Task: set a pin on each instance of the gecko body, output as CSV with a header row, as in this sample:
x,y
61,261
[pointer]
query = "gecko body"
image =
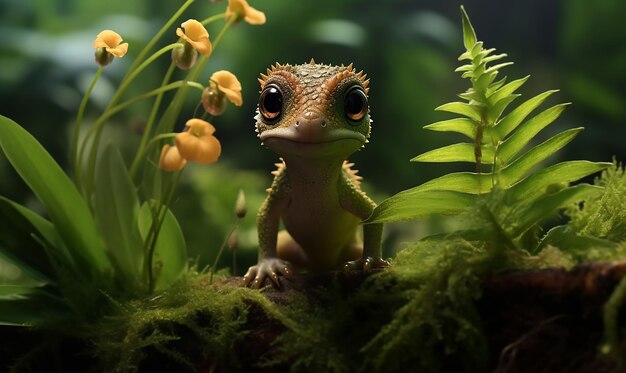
x,y
314,116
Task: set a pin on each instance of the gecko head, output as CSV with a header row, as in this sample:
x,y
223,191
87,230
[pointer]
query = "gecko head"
x,y
313,110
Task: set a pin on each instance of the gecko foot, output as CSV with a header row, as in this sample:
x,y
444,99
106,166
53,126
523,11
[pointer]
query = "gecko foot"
x,y
268,267
366,263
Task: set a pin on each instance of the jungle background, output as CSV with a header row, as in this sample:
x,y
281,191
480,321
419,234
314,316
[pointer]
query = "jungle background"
x,y
408,48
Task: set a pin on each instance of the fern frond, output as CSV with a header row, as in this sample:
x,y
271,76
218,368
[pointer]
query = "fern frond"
x,y
499,133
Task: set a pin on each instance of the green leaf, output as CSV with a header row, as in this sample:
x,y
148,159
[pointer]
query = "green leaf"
x,y
25,237
464,126
515,117
495,86
522,165
564,172
546,205
462,152
17,273
411,205
496,110
466,182
566,240
469,35
65,206
512,145
474,95
116,209
462,108
506,90
30,306
170,253
476,50
497,67
464,68
482,83
495,57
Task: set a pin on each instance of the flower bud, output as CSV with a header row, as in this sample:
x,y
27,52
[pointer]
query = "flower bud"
x,y
184,57
213,100
240,205
103,57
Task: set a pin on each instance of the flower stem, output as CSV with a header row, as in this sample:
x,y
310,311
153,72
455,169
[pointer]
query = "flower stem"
x,y
130,77
212,19
219,253
99,123
148,130
96,129
79,119
158,35
142,152
153,235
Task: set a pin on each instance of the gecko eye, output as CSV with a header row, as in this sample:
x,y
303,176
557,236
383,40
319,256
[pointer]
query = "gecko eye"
x,y
271,103
355,103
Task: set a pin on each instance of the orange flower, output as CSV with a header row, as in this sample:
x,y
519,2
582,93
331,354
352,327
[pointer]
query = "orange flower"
x,y
243,10
170,159
227,83
111,41
195,34
197,143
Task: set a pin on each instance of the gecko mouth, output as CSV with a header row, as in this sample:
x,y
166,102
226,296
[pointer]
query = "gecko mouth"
x,y
293,135
340,147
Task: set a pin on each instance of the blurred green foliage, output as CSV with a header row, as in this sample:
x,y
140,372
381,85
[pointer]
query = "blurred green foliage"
x,y
408,49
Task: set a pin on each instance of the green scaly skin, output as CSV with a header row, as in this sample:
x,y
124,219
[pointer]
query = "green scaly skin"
x,y
315,192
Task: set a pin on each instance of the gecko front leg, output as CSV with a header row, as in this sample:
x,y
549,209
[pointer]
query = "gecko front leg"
x,y
358,203
268,218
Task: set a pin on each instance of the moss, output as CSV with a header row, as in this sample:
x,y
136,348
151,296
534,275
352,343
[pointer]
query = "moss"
x,y
190,322
419,313
604,214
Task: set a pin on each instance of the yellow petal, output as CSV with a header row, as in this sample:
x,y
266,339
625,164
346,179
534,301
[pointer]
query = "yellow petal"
x,y
204,150
210,150
194,30
198,127
170,159
243,10
118,51
254,17
236,7
107,39
195,34
228,83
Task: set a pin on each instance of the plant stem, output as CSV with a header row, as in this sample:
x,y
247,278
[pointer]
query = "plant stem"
x,y
158,35
148,130
79,119
219,253
99,124
153,235
213,18
152,142
96,129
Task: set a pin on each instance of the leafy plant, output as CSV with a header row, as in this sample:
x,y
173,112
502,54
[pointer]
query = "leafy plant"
x,y
503,168
109,234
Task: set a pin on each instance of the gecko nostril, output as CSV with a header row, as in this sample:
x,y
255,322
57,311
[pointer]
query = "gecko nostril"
x,y
323,123
297,123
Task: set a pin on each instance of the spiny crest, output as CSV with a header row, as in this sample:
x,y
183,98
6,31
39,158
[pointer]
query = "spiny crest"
x,y
288,70
352,174
345,72
284,71
272,69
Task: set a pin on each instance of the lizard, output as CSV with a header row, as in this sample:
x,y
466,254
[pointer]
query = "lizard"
x,y
314,116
